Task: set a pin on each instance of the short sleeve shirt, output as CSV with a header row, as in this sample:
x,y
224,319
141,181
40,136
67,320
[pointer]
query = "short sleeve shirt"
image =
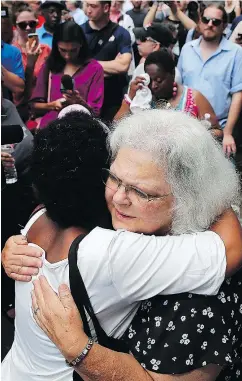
x,y
44,36
12,59
119,42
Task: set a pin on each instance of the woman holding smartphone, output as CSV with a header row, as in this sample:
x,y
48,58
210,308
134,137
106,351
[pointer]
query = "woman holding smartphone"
x,y
69,56
34,54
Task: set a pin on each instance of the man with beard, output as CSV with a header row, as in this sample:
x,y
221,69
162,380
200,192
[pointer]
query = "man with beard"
x,y
137,14
51,10
213,66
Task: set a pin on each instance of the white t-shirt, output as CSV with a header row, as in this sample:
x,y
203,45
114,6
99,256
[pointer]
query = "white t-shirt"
x,y
79,16
119,269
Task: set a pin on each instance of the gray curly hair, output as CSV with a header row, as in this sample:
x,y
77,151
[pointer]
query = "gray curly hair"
x,y
203,181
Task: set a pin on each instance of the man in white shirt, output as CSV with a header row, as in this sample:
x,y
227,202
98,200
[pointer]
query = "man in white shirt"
x,y
77,13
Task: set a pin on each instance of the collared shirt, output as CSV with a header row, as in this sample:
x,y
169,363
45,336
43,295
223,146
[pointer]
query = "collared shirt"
x,y
45,37
217,78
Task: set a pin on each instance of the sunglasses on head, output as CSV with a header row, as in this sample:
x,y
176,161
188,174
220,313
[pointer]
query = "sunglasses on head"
x,y
23,24
215,22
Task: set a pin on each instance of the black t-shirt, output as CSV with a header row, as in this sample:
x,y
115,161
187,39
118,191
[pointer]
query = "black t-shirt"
x,y
105,45
137,17
182,32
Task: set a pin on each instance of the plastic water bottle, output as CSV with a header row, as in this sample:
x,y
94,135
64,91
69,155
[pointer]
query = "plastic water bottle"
x,y
10,172
207,121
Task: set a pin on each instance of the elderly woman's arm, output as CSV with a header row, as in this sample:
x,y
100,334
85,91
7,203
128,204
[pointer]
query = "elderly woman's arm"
x,y
60,320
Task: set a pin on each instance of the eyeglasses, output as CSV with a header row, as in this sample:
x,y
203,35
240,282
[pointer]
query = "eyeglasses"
x,y
23,24
144,39
134,194
215,22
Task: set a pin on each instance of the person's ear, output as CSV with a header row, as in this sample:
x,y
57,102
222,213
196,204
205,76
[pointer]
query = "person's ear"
x,y
106,9
157,47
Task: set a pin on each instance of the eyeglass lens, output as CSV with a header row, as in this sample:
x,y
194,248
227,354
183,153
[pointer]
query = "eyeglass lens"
x,y
23,25
215,22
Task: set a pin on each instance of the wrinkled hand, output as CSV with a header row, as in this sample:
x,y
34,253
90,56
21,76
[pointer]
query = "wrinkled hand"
x,y
19,260
229,145
32,52
73,98
135,85
58,317
7,159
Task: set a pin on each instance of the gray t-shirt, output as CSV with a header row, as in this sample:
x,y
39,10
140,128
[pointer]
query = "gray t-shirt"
x,y
137,17
23,150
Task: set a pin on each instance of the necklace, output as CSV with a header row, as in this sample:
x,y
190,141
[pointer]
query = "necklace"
x,y
165,104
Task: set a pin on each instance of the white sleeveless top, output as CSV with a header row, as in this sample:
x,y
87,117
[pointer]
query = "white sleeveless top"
x,y
119,269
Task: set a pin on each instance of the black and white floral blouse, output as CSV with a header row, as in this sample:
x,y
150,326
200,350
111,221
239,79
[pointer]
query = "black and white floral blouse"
x,y
179,333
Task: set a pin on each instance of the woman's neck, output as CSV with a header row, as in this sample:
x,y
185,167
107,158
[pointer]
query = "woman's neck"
x,y
173,101
54,240
71,68
22,41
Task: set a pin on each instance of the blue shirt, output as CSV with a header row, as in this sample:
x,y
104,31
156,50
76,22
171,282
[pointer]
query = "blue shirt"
x,y
12,59
217,78
45,37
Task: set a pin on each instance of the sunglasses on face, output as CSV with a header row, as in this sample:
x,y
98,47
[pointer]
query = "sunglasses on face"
x,y
23,25
215,22
144,39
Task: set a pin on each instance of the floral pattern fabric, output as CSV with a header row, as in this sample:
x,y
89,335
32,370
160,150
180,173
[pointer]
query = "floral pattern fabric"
x,y
179,333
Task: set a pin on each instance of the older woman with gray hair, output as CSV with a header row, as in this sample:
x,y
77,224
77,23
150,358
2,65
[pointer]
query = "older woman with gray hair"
x,y
168,176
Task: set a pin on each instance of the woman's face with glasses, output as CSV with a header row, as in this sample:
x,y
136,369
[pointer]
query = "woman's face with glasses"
x,y
138,197
26,23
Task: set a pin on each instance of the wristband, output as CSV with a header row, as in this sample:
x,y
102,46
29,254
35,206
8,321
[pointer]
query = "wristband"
x,y
83,354
127,99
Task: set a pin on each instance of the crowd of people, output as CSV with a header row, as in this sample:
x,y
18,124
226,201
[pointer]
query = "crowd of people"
x,y
129,266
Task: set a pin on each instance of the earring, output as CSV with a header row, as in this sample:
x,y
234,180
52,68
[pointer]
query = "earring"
x,y
174,89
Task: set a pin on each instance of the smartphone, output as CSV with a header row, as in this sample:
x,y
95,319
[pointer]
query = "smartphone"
x,y
63,91
4,12
33,37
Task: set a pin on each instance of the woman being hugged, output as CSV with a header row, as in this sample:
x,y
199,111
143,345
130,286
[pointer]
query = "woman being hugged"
x,y
69,56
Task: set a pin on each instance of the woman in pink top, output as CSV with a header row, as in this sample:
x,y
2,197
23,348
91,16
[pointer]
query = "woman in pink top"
x,y
69,56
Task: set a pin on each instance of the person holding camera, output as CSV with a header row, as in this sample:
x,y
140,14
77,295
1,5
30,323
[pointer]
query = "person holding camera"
x,y
34,54
69,57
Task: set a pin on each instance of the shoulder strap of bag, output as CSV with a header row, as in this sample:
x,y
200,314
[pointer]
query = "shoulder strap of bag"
x,y
94,45
83,303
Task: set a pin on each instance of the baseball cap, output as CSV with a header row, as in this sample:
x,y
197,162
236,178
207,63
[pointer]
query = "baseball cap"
x,y
48,3
157,32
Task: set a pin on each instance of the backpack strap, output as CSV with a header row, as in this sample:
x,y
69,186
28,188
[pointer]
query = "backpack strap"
x,y
97,42
83,303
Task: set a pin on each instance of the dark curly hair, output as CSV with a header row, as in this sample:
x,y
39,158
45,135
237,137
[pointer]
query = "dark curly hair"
x,y
163,59
66,168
